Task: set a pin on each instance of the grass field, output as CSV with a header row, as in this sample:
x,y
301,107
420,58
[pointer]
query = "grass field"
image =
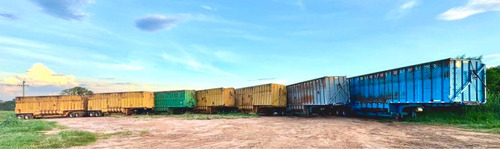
x,y
479,118
15,133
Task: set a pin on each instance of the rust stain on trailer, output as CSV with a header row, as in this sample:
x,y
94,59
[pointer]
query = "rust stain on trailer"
x,y
307,98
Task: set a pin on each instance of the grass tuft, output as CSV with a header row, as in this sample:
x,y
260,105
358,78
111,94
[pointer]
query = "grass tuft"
x,y
66,139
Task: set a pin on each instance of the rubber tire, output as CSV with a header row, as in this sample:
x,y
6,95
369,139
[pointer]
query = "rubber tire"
x,y
337,113
344,113
20,116
92,114
71,115
77,114
26,117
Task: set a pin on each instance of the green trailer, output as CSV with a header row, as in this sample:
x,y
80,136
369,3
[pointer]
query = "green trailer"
x,y
174,101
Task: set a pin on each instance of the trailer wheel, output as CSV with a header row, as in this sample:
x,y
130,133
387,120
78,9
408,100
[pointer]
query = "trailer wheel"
x,y
337,113
92,114
344,113
26,117
71,115
20,116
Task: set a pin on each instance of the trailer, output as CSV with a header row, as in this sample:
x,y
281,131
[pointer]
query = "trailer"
x,y
120,103
404,91
174,101
51,106
323,96
266,99
215,100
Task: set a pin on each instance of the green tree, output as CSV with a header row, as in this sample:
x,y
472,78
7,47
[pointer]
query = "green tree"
x,y
77,91
464,57
8,105
493,79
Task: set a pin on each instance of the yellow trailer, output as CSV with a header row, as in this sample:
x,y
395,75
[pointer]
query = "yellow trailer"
x,y
215,100
51,106
267,98
120,102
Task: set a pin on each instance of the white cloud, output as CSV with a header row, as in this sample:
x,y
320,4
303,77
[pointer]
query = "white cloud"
x,y
409,5
194,65
301,5
126,67
11,90
471,8
41,75
403,9
492,60
16,47
207,7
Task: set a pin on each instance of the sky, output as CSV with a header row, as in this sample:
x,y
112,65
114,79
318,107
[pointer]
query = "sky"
x,y
157,45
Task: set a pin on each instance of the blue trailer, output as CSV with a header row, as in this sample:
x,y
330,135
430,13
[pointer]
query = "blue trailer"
x,y
404,91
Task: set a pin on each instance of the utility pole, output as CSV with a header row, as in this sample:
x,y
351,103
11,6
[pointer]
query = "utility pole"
x,y
24,86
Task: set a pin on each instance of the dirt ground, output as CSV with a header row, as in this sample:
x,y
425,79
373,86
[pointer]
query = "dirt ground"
x,y
275,132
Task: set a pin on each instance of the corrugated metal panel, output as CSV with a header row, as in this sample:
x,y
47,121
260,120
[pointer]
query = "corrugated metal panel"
x,y
41,106
174,99
444,82
122,102
217,97
262,96
318,92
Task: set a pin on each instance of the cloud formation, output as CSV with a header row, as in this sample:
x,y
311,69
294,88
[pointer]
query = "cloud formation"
x,y
41,75
301,5
471,8
9,16
492,59
207,7
153,23
64,9
403,9
194,65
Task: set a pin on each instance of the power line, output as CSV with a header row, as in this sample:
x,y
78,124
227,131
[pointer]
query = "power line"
x,y
24,86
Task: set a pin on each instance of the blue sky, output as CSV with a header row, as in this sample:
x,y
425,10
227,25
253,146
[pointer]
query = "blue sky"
x,y
132,45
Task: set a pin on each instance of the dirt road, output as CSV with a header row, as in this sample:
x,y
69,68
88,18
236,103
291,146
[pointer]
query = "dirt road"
x,y
275,132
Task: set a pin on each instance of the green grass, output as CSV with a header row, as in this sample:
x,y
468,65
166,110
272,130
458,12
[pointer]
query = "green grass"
x,y
191,116
144,132
15,133
484,118
109,135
